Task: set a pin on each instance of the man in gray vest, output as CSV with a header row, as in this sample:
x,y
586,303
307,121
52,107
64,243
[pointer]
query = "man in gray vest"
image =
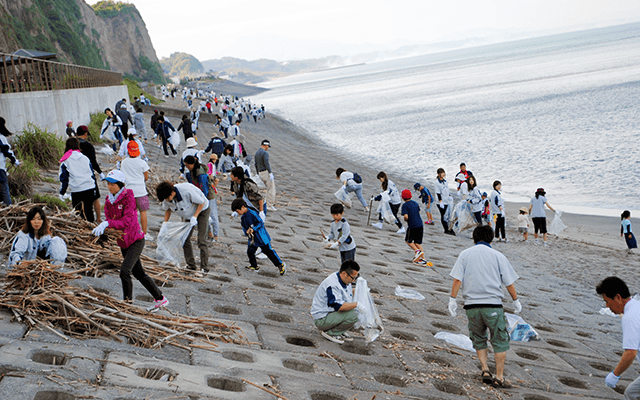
x,y
264,171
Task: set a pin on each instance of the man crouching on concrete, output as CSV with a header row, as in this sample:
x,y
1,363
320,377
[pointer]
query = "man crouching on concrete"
x,y
333,310
481,271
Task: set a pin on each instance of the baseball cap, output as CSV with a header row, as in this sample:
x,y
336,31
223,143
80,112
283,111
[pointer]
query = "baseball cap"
x,y
115,176
461,177
133,148
416,186
406,194
123,106
82,129
265,142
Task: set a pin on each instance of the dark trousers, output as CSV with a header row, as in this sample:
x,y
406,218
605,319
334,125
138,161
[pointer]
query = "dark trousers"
x,y
477,216
394,209
5,197
166,142
83,203
348,255
131,265
443,212
267,250
500,227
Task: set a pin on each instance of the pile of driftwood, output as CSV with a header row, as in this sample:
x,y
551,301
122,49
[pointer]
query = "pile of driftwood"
x,y
86,254
39,294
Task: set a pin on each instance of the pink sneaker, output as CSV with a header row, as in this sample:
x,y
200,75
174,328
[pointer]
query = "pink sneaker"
x,y
158,304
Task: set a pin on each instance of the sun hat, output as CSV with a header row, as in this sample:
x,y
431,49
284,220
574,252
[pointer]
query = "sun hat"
x,y
524,209
416,186
133,148
191,142
461,177
115,176
541,191
406,194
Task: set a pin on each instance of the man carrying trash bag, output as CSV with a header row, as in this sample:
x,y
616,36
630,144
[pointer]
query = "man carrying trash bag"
x,y
481,271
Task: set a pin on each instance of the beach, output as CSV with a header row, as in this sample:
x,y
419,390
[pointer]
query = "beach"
x,y
579,346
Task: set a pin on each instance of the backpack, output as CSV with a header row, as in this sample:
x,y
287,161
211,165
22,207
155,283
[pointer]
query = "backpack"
x,y
203,170
357,178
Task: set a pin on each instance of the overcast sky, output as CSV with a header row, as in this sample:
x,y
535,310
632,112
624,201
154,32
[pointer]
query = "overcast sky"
x,y
297,29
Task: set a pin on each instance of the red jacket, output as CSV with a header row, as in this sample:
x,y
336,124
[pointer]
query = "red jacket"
x,y
123,216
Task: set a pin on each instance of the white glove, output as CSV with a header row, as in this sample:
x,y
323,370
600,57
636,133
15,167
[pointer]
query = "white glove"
x,y
102,176
61,197
453,306
262,216
234,214
362,309
66,196
99,230
334,245
611,380
193,220
271,176
517,307
18,163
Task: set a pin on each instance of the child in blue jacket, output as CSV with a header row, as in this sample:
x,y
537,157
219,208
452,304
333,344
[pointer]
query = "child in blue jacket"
x,y
253,227
427,199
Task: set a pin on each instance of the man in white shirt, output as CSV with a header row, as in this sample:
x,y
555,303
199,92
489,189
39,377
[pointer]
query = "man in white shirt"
x,y
481,271
617,297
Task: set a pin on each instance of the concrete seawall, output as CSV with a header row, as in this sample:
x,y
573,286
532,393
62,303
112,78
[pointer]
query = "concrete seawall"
x,y
52,109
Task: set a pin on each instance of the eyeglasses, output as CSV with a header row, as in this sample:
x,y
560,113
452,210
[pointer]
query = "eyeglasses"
x,y
352,277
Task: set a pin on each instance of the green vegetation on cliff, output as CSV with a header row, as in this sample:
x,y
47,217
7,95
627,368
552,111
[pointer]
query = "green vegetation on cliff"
x,y
181,64
110,9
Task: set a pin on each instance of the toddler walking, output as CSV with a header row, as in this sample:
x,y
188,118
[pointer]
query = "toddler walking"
x,y
523,223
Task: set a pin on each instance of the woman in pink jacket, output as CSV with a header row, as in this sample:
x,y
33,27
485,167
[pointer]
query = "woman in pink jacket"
x,y
120,214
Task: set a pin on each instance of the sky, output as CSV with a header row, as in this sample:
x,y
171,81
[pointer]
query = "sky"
x,y
299,29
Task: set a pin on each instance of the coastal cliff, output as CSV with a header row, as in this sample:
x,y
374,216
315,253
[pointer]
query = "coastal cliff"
x,y
108,35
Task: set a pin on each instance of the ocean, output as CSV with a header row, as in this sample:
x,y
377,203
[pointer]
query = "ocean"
x,y
560,112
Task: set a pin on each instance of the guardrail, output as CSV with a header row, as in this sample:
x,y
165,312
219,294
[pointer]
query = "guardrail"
x,y
25,74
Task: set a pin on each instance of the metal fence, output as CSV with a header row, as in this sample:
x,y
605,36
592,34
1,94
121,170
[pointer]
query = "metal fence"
x,y
24,74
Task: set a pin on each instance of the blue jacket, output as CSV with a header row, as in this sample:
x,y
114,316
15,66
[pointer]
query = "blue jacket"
x,y
251,219
216,146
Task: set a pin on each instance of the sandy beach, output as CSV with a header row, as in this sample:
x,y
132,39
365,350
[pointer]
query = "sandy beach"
x,y
557,289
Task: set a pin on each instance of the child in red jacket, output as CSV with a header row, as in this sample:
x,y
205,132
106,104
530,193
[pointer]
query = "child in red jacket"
x,y
120,214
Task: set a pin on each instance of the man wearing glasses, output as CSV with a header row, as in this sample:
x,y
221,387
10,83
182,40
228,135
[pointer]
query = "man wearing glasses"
x,y
333,308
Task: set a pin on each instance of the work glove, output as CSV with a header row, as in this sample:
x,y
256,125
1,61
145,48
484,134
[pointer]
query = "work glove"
x,y
17,162
61,197
611,380
362,309
262,216
334,245
102,176
517,307
99,230
326,240
271,176
453,306
234,214
193,220
377,198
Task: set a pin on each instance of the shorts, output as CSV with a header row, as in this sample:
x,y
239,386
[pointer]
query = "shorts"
x,y
493,319
142,203
523,229
414,235
540,224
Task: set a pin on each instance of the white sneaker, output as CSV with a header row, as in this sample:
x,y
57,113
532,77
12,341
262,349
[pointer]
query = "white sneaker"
x,y
506,240
148,238
158,304
377,225
418,255
537,242
334,339
347,337
401,230
545,244
272,208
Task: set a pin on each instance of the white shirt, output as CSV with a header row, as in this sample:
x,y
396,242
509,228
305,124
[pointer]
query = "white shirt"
x,y
133,170
631,326
442,188
495,202
347,176
190,198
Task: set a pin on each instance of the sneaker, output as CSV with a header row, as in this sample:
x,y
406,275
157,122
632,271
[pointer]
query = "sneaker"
x,y
421,262
347,337
166,156
506,240
334,339
345,204
282,268
545,244
377,225
418,255
158,304
251,268
148,237
272,208
537,242
401,230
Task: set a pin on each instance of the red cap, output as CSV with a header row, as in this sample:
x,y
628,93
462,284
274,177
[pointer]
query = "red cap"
x,y
406,194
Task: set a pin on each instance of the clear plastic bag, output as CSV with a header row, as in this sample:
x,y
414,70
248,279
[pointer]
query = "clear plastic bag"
x,y
170,240
107,150
106,132
457,339
385,209
343,197
370,319
408,293
519,330
464,218
556,225
175,139
256,178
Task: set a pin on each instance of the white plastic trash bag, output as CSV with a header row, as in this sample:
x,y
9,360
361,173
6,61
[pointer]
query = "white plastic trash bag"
x,y
106,132
456,339
370,319
175,139
256,179
408,293
556,225
385,209
170,240
107,150
464,218
519,330
343,197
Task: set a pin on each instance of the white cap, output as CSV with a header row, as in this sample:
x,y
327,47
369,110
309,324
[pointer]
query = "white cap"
x,y
116,176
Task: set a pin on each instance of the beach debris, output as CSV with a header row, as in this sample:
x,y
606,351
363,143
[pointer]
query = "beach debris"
x,y
519,330
408,293
39,294
171,238
457,339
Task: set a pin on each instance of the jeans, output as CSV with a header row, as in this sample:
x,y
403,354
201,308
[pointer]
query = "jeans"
x,y
203,230
357,188
214,222
5,197
267,250
131,265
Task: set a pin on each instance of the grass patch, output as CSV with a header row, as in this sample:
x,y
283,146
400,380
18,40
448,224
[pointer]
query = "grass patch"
x,y
95,126
49,179
50,200
39,146
135,90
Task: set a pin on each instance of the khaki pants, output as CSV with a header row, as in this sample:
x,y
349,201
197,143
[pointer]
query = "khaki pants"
x,y
203,230
270,198
337,323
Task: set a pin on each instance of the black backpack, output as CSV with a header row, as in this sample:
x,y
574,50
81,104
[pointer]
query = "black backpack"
x,y
357,178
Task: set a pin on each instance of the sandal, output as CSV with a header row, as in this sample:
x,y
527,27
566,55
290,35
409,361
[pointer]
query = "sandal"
x,y
486,377
501,384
